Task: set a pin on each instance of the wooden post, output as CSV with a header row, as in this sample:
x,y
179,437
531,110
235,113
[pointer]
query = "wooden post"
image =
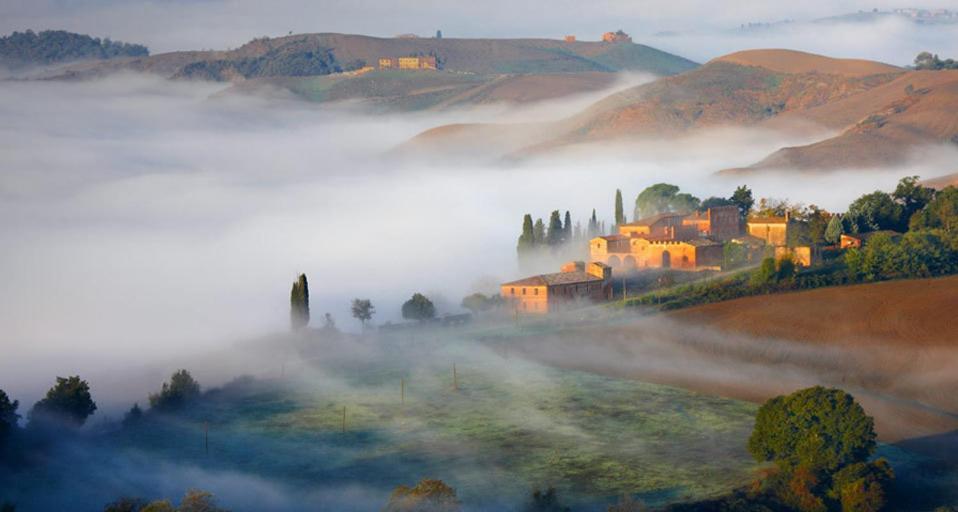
x,y
344,419
455,378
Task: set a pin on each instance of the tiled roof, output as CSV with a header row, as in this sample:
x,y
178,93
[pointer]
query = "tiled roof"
x,y
554,279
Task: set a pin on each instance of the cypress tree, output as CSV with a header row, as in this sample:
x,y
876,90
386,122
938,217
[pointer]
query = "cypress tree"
x,y
554,235
619,211
527,240
833,233
568,226
593,226
299,304
540,232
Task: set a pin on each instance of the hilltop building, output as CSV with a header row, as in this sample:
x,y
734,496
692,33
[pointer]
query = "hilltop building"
x,y
547,293
669,240
570,39
774,230
414,63
616,37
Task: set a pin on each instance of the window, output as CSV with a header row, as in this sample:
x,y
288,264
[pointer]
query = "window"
x,y
523,291
535,291
512,291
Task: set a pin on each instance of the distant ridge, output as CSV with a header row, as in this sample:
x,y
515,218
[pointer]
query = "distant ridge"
x,y
792,62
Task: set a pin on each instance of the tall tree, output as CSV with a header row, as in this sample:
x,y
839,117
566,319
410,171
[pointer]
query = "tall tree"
x,y
539,232
363,310
619,210
662,198
912,196
419,307
593,226
874,212
69,401
299,304
567,227
742,197
835,230
554,235
941,212
8,418
527,240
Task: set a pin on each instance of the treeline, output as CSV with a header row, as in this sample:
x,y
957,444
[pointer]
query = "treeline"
x,y
289,59
54,46
538,239
927,248
927,61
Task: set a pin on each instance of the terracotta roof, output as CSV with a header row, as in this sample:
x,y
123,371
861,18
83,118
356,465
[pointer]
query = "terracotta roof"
x,y
701,242
767,220
648,221
613,237
554,279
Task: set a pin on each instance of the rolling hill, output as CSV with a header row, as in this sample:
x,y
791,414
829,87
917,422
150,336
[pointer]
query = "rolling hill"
x,y
876,114
474,71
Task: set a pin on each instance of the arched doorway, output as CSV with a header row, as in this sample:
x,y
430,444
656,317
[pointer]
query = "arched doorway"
x,y
629,262
614,261
666,259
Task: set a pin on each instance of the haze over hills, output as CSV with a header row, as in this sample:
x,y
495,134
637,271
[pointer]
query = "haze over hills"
x,y
876,113
472,71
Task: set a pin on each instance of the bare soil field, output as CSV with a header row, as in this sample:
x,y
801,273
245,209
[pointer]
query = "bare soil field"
x,y
893,345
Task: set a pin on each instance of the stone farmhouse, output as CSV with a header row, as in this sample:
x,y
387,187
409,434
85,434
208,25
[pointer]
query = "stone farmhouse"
x,y
546,293
414,63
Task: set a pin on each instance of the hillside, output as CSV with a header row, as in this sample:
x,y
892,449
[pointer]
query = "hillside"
x,y
478,56
893,344
949,180
22,49
404,91
873,114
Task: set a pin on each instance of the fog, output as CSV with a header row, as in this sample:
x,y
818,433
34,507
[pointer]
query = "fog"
x,y
142,219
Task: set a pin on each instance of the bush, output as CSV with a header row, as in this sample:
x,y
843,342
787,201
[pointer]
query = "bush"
x,y
427,496
419,307
69,402
181,390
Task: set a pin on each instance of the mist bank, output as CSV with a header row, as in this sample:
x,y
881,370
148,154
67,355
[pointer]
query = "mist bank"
x,y
149,221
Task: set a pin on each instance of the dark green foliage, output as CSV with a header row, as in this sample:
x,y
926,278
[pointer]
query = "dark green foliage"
x,y
817,428
912,196
734,255
567,227
299,304
713,202
287,60
619,209
874,212
7,507
419,307
53,46
925,253
133,416
527,240
860,487
941,212
927,61
772,271
68,402
834,230
196,500
742,197
8,418
593,226
363,310
662,198
427,496
539,232
176,394
126,505
547,501
556,233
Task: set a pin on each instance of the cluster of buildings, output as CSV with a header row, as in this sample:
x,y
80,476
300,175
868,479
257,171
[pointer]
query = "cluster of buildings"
x,y
608,37
414,63
682,241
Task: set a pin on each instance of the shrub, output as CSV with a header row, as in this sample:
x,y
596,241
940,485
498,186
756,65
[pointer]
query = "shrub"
x,y
181,390
427,496
69,401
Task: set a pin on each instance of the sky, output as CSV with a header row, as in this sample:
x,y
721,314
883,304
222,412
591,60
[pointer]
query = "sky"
x,y
166,25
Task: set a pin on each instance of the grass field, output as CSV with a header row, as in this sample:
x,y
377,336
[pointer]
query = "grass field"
x,y
510,426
